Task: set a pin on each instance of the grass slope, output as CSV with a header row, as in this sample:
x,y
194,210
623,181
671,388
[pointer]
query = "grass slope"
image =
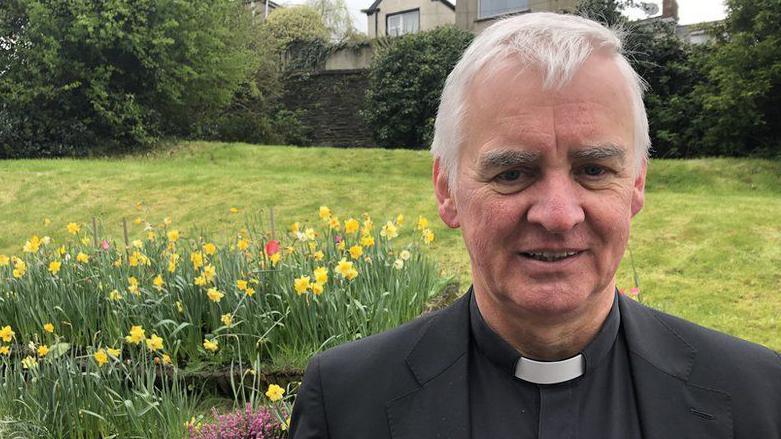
x,y
707,246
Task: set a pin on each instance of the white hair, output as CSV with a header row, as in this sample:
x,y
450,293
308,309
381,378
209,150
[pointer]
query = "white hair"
x,y
556,44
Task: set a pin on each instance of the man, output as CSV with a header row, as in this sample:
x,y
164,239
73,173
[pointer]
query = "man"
x,y
540,158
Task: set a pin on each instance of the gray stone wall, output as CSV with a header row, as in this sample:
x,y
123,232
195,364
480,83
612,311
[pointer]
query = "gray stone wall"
x,y
329,103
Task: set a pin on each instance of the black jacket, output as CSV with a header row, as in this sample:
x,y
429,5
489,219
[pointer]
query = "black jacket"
x,y
411,382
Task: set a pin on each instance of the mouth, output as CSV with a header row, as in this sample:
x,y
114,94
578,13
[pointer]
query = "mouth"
x,y
551,256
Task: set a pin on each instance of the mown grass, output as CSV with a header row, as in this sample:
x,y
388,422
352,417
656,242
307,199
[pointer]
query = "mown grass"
x,y
706,247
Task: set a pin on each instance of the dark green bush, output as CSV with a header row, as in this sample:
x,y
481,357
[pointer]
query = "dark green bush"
x,y
82,74
406,80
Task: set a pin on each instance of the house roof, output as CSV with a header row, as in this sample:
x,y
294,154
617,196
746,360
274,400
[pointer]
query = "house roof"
x,y
375,6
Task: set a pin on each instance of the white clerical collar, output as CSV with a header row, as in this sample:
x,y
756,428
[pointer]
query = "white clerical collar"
x,y
550,372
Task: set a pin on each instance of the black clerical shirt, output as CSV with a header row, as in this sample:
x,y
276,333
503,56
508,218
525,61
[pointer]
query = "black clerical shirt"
x,y
598,404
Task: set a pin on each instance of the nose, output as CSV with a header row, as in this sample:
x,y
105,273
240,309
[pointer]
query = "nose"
x,y
556,206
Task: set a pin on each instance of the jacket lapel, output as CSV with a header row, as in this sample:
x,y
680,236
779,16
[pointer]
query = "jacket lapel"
x,y
439,407
669,404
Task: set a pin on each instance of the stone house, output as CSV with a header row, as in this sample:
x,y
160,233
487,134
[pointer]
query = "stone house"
x,y
399,17
476,15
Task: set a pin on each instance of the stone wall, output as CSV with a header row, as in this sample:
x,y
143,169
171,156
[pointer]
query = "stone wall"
x,y
330,102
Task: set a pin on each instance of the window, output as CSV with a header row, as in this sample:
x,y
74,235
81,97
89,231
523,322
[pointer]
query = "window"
x,y
492,8
401,23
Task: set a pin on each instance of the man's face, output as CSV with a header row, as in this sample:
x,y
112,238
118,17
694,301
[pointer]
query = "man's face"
x,y
546,188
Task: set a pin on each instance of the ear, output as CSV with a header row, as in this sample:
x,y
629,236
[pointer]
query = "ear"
x,y
638,195
445,202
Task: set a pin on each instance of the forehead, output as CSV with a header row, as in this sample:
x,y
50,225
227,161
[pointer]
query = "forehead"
x,y
508,107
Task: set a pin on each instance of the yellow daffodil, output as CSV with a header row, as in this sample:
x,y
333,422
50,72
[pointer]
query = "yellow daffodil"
x,y
422,223
389,230
100,357
321,275
275,258
310,233
368,224
158,282
32,245
137,243
167,221
334,223
325,212
4,261
172,260
242,244
234,210
179,307
318,255
20,267
82,258
48,327
367,240
275,392
136,336
214,295
173,235
356,251
346,270
73,228
351,226
132,285
226,319
5,350
54,267
209,272
151,235
42,350
46,221
61,251
166,359
137,221
29,362
241,284
428,236
340,246
115,295
199,281
197,259
317,288
6,333
294,228
211,345
154,343
301,284
209,248
400,219
114,352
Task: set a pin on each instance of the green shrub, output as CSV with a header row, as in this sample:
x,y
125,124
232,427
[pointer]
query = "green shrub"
x,y
122,73
406,79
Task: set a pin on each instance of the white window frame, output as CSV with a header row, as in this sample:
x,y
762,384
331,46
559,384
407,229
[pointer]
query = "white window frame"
x,y
512,11
401,15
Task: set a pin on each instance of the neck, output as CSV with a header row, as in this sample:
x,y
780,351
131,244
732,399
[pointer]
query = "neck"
x,y
547,337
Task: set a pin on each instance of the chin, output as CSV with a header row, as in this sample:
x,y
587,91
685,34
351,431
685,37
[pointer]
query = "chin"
x,y
550,301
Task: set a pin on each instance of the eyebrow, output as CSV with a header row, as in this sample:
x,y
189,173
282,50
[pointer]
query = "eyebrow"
x,y
602,152
507,158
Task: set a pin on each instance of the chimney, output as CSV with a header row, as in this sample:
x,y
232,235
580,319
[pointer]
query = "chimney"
x,y
670,9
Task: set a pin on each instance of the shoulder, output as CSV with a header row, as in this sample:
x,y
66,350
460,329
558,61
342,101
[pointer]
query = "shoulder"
x,y
729,362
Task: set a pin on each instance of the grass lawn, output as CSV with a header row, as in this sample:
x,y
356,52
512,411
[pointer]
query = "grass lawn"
x,y
707,246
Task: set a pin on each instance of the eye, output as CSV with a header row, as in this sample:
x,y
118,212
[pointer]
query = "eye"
x,y
594,171
509,176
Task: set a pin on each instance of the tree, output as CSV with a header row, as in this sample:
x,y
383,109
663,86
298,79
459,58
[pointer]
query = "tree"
x,y
79,74
405,82
336,18
742,95
285,26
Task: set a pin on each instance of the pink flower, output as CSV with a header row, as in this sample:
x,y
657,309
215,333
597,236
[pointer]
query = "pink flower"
x,y
272,247
337,239
105,245
634,292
